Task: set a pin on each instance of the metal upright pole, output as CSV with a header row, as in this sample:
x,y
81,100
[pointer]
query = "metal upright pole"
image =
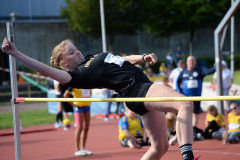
x,y
14,90
218,54
232,43
103,26
218,61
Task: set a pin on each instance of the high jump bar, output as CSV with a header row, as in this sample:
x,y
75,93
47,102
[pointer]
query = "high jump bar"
x,y
156,99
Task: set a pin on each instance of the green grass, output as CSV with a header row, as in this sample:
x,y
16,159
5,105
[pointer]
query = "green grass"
x,y
29,118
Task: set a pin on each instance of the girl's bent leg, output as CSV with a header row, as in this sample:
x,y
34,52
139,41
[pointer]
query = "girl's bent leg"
x,y
183,108
155,125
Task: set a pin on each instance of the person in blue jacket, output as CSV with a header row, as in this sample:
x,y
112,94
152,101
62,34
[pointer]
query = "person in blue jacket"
x,y
191,79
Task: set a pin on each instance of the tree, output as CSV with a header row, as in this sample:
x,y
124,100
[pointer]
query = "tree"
x,y
121,17
175,16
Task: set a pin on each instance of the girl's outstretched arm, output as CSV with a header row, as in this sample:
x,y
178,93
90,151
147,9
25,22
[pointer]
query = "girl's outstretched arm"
x,y
137,59
59,75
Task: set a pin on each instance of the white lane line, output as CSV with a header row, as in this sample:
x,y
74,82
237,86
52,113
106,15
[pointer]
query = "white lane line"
x,y
216,152
145,147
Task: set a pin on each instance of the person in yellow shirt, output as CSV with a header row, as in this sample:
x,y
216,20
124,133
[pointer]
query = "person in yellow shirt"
x,y
233,134
131,131
163,69
171,124
214,125
82,118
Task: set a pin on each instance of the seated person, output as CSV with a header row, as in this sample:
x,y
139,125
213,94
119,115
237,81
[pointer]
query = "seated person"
x,y
166,81
131,131
215,124
163,69
114,95
171,123
233,134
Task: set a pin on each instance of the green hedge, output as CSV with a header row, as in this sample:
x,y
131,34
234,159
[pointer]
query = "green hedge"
x,y
236,62
210,61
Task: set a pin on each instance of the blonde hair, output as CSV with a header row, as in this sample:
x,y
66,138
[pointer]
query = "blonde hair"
x,y
57,54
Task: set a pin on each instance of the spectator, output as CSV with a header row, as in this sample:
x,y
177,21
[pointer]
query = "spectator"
x,y
148,71
175,73
163,69
171,124
191,79
67,108
107,94
169,62
59,116
146,66
179,54
114,95
82,118
165,82
226,76
215,124
131,131
233,134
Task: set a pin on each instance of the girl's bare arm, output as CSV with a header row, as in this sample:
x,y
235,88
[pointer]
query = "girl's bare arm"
x,y
137,59
59,75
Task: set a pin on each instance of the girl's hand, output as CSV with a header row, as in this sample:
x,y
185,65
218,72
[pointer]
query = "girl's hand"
x,y
152,58
8,47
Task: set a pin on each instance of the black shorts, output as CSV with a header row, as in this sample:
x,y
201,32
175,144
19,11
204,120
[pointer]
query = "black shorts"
x,y
139,91
67,107
196,107
125,140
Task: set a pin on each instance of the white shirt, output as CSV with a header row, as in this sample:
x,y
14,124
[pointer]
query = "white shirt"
x,y
226,75
174,76
168,57
55,83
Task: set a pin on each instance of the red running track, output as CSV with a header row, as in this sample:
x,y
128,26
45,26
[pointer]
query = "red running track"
x,y
103,141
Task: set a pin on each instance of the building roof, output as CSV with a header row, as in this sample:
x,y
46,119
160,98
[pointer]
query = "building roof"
x,y
31,8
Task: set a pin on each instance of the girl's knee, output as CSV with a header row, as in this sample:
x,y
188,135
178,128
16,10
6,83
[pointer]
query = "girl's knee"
x,y
160,150
186,106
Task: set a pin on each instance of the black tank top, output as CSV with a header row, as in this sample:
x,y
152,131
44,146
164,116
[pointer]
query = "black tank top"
x,y
94,72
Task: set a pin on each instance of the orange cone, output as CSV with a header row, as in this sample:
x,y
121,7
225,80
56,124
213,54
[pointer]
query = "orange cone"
x,y
21,80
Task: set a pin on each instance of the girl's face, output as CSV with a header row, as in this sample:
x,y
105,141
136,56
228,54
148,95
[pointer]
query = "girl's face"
x,y
71,57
